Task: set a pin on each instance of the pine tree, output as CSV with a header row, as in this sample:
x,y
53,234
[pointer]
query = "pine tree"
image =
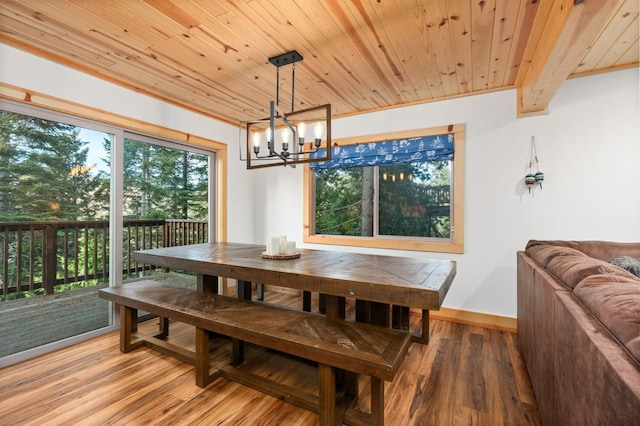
x,y
43,172
164,183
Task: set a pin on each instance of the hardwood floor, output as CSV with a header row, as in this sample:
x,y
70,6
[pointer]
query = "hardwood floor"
x,y
465,376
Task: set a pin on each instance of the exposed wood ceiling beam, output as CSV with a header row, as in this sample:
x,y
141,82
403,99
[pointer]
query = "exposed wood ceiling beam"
x,y
567,32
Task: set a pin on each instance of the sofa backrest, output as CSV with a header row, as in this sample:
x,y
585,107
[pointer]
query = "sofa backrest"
x,y
603,250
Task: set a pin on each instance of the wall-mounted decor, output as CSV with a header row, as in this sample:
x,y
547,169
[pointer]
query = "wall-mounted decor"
x,y
532,178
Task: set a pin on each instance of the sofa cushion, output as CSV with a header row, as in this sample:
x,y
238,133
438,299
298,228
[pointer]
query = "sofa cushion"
x,y
543,253
615,301
603,250
628,263
634,347
571,269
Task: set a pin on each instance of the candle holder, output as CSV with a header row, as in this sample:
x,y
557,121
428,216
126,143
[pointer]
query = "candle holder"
x,y
266,255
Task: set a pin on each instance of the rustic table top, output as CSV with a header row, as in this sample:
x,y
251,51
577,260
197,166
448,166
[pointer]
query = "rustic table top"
x,y
403,281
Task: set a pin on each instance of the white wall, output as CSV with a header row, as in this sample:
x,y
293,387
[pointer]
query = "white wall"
x,y
589,150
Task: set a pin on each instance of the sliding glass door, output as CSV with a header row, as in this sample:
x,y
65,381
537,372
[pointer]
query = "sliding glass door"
x,y
76,199
166,200
54,229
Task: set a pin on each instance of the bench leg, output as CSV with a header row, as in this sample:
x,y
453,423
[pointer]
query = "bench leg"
x,y
128,327
237,352
377,401
327,400
202,358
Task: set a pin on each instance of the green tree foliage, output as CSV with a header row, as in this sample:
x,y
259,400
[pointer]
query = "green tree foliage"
x,y
339,201
413,200
164,183
44,176
43,172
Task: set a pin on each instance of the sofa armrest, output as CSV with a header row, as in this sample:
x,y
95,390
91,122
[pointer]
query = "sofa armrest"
x,y
597,382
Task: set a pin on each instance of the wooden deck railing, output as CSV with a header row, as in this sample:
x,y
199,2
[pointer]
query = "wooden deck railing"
x,y
36,255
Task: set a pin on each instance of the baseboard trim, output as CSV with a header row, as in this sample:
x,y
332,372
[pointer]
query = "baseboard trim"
x,y
477,319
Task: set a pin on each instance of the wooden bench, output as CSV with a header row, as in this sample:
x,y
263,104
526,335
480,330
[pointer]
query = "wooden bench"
x,y
336,345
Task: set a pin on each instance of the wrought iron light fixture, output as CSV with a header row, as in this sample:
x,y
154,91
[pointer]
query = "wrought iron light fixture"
x,y
281,139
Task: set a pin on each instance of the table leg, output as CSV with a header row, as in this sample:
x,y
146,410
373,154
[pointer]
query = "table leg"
x,y
373,313
424,338
207,283
335,307
260,291
400,317
306,301
380,314
243,290
363,311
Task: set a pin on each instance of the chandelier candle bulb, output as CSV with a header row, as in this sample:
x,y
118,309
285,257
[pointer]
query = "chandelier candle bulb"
x,y
256,142
317,129
267,133
285,139
302,128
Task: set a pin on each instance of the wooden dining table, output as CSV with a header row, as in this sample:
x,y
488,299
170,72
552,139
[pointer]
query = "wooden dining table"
x,y
384,287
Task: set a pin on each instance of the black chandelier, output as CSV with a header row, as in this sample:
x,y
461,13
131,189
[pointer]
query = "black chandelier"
x,y
281,139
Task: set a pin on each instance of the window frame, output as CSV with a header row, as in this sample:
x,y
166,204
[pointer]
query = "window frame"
x,y
454,244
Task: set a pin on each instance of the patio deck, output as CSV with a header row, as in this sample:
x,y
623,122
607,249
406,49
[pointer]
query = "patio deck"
x,y
34,321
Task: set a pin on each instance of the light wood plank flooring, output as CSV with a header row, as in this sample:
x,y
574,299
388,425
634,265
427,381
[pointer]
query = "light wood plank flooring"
x,y
465,376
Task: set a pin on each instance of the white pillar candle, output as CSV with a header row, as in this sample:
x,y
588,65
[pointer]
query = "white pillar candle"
x,y
274,246
291,247
282,244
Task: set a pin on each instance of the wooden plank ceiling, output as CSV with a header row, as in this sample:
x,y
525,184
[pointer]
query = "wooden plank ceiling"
x,y
359,55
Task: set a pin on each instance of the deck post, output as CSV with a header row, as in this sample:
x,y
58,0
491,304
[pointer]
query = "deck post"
x,y
49,258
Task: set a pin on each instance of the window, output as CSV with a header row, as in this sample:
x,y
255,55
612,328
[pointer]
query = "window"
x,y
410,198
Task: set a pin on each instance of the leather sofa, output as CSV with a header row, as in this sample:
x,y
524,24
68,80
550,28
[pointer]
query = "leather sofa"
x,y
579,331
